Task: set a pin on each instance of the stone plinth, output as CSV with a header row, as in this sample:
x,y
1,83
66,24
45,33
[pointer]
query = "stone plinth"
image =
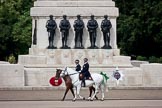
x,y
152,74
137,63
66,57
40,76
11,75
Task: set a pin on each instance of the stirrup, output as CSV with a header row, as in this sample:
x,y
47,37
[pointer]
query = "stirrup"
x,y
83,85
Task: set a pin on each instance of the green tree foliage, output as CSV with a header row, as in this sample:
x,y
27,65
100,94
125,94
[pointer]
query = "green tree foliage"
x,y
140,27
15,27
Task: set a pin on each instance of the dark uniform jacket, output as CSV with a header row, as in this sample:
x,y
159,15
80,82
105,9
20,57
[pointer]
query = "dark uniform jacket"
x,y
85,71
106,25
78,25
78,67
92,25
64,25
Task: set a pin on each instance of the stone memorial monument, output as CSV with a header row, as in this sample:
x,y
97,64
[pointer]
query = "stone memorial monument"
x,y
41,62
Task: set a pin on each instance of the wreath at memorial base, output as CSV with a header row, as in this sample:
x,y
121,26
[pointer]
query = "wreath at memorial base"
x,y
55,82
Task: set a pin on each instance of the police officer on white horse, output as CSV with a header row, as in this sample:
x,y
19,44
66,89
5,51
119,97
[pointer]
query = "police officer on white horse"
x,y
85,74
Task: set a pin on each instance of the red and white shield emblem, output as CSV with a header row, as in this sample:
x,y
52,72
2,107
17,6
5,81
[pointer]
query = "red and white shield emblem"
x,y
55,82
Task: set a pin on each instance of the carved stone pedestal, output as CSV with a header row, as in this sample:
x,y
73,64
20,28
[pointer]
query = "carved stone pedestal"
x,y
66,57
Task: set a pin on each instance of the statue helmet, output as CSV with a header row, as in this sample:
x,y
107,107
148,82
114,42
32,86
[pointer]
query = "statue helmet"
x,y
78,15
64,16
51,16
105,16
92,16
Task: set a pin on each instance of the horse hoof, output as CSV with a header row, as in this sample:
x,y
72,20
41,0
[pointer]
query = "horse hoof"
x,y
102,99
96,98
62,100
73,100
91,99
83,98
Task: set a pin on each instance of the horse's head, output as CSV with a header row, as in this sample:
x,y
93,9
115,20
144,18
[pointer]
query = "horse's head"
x,y
58,73
61,73
67,71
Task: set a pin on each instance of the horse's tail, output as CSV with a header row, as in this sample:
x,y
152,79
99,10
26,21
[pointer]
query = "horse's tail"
x,y
104,81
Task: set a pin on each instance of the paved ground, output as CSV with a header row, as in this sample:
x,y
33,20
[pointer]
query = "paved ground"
x,y
51,99
56,95
83,104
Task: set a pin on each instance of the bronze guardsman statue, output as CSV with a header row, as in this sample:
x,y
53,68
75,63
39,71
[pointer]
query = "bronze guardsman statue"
x,y
51,27
92,26
105,27
78,28
64,28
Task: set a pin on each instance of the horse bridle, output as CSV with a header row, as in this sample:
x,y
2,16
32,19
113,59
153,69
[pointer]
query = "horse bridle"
x,y
68,73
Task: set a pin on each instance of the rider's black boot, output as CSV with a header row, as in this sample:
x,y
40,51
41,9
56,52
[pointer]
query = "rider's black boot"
x,y
83,83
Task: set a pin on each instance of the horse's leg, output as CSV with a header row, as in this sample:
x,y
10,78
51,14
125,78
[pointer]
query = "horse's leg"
x,y
94,92
75,92
102,92
72,91
90,92
78,92
67,89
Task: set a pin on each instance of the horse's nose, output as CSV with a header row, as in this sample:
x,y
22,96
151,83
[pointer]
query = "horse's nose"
x,y
56,77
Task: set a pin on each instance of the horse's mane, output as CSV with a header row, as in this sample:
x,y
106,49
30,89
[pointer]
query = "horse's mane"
x,y
70,70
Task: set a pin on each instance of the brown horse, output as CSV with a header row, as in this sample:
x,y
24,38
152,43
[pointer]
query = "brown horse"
x,y
69,85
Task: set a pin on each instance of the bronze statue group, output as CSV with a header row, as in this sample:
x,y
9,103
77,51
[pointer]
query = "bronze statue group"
x,y
92,26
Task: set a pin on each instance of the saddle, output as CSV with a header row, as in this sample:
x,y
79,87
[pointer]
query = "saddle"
x,y
81,76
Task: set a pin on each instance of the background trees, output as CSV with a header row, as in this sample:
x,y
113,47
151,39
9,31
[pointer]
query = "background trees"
x,y
139,28
15,27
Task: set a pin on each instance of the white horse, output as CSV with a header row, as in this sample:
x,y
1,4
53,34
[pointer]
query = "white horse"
x,y
98,82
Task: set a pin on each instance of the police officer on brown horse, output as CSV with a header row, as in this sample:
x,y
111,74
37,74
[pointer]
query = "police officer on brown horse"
x,y
78,67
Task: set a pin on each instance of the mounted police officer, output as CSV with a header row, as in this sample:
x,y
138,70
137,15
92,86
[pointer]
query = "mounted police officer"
x,y
92,26
64,28
78,28
51,27
85,74
78,67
